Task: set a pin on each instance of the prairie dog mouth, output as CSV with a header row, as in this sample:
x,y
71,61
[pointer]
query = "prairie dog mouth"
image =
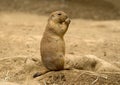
x,y
67,20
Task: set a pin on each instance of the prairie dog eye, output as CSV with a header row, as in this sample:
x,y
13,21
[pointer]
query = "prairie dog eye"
x,y
59,14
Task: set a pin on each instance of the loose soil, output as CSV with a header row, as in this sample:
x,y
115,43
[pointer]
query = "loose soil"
x,y
94,30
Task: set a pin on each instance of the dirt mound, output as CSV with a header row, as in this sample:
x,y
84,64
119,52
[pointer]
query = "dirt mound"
x,y
79,78
21,71
86,9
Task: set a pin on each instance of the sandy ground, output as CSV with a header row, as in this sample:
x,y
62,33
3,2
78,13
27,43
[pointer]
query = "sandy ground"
x,y
20,35
94,30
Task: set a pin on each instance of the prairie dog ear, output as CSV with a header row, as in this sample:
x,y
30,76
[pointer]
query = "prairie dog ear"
x,y
53,16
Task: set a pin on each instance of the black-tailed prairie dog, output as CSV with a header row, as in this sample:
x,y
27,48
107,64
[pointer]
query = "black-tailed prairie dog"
x,y
52,46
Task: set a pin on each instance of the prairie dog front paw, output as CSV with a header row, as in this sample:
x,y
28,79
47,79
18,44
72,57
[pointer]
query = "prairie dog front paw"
x,y
68,20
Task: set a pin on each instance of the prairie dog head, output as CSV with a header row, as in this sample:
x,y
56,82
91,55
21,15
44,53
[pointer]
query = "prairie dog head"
x,y
58,17
58,23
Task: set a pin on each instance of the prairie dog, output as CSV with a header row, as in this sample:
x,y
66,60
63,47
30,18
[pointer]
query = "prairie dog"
x,y
52,46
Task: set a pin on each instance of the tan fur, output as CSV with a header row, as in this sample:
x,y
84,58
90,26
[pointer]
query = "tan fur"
x,y
52,44
90,63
